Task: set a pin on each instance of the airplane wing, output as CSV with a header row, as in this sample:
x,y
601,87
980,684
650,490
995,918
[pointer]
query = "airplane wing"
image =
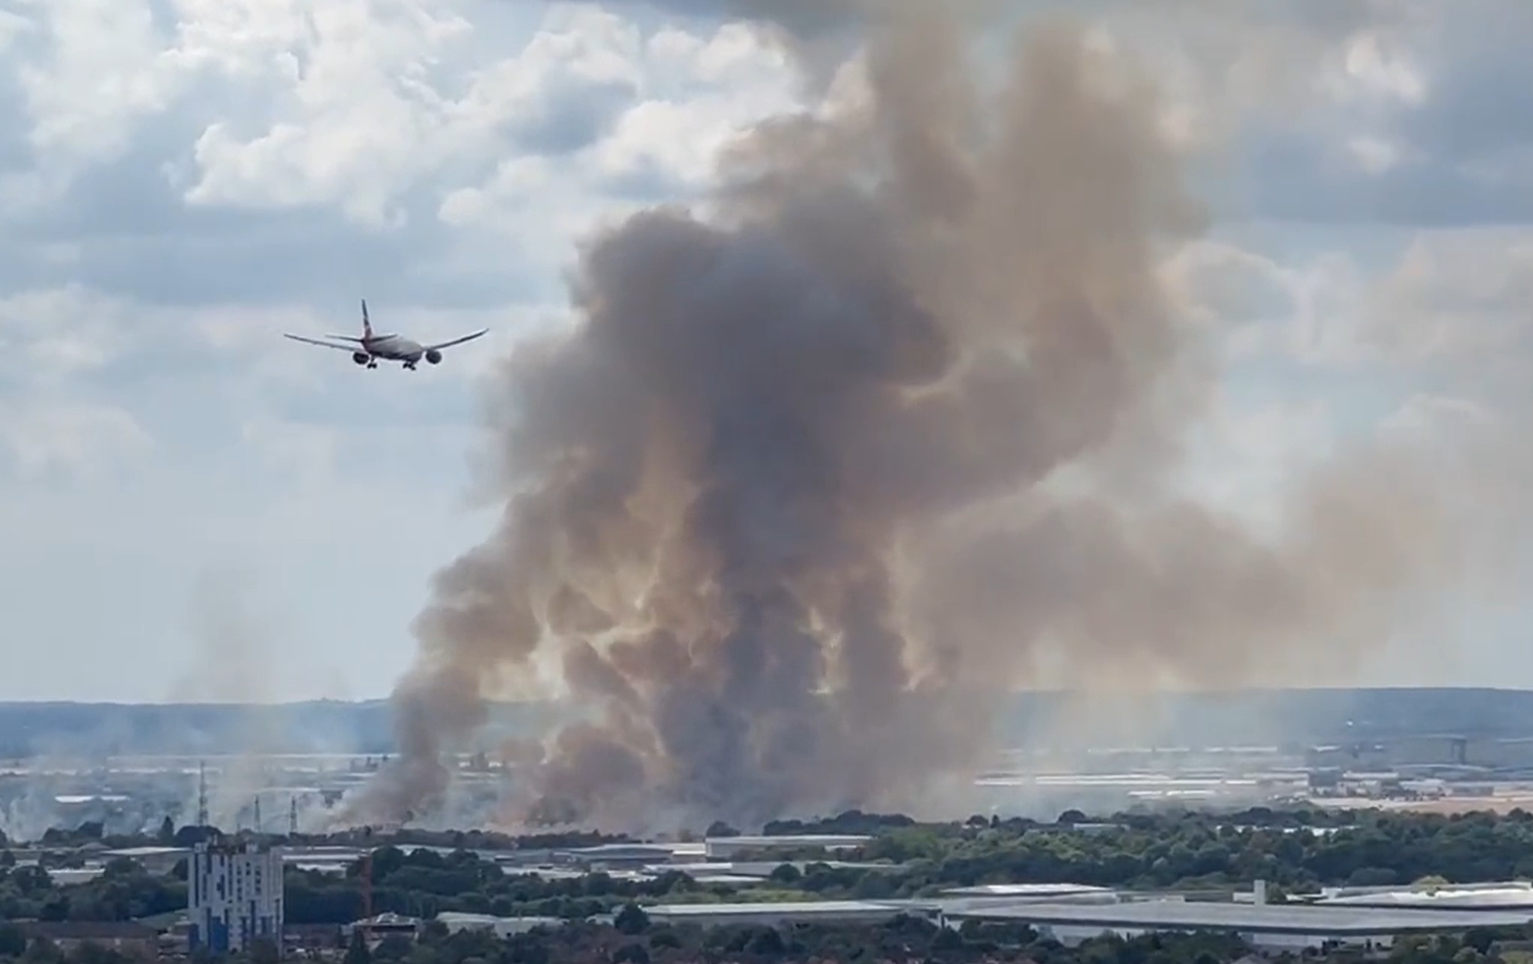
x,y
458,341
322,344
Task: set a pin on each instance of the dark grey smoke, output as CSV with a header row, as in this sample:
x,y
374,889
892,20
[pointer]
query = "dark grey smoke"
x,y
813,478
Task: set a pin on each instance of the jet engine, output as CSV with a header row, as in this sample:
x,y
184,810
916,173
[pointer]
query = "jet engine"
x,y
360,357
434,357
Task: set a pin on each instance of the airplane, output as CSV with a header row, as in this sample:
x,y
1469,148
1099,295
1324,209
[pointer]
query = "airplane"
x,y
367,349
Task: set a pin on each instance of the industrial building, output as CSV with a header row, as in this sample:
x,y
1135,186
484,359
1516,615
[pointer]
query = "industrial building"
x,y
630,856
723,848
1267,926
500,926
234,897
1076,915
155,860
1516,895
1062,893
774,914
128,938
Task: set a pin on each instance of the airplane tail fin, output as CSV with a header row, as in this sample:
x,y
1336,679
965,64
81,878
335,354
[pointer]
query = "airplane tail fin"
x,y
367,326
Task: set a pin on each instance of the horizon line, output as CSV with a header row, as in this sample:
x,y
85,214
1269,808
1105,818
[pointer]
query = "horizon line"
x,y
1114,692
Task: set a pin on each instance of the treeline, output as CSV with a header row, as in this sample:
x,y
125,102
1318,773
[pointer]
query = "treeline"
x,y
424,883
189,835
1296,851
124,891
923,860
633,939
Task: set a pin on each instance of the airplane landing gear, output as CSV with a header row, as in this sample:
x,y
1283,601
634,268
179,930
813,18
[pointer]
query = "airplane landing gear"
x,y
372,364
409,366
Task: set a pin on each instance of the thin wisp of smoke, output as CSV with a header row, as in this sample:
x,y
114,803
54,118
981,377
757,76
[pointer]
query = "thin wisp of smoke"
x,y
815,478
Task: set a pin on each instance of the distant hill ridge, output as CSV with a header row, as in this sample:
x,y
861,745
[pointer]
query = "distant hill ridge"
x,y
1256,716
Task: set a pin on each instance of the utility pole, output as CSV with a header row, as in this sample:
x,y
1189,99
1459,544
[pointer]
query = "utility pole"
x,y
202,794
367,885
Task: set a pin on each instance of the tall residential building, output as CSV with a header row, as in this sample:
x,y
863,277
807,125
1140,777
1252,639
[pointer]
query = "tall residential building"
x,y
234,896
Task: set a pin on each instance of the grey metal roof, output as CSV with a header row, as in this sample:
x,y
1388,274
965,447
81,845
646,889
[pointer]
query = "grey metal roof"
x,y
1285,918
1025,890
1483,899
774,908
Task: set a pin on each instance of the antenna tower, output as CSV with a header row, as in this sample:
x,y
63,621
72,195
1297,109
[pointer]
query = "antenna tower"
x,y
258,813
292,816
202,795
367,885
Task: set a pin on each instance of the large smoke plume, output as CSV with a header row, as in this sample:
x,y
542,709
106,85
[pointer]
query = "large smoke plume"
x,y
891,430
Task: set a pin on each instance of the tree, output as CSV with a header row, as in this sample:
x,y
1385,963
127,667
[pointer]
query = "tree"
x,y
56,909
631,954
767,942
13,943
786,874
167,834
264,951
358,952
631,920
947,939
664,936
393,948
119,867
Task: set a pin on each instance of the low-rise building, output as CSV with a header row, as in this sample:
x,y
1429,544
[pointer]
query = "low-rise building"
x,y
375,929
1267,926
774,914
156,860
125,937
724,848
501,926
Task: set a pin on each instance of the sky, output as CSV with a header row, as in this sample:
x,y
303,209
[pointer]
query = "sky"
x,y
192,507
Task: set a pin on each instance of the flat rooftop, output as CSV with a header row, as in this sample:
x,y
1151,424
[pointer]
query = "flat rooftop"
x,y
778,841
776,908
1253,918
1503,898
1026,890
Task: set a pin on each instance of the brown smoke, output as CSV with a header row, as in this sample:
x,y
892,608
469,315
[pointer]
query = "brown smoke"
x,y
814,478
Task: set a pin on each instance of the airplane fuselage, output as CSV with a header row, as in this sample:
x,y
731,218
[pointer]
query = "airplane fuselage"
x,y
393,348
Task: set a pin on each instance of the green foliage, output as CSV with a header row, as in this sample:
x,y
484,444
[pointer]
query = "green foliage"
x,y
124,891
357,952
13,943
631,954
631,920
1295,851
424,883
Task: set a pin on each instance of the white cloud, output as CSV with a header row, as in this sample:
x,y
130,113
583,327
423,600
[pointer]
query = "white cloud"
x,y
70,437
105,68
